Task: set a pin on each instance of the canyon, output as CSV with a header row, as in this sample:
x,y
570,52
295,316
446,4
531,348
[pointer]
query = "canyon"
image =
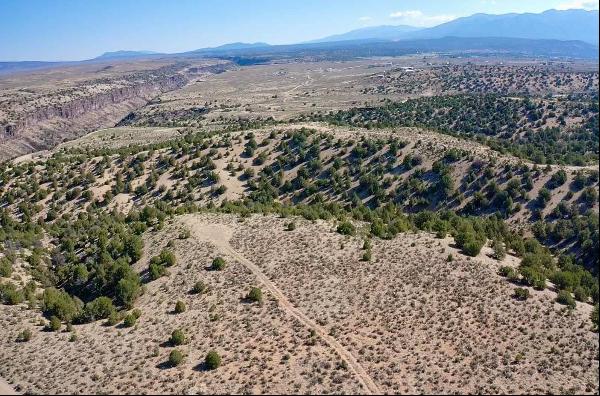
x,y
37,117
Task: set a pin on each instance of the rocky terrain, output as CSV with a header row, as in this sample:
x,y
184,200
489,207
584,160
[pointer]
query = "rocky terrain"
x,y
34,117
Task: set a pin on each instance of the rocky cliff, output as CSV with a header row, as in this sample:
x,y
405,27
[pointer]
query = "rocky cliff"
x,y
81,106
39,125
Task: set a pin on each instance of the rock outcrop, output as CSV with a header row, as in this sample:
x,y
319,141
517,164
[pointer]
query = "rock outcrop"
x,y
96,104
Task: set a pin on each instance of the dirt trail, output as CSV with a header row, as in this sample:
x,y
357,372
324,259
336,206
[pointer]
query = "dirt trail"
x,y
6,389
219,235
287,94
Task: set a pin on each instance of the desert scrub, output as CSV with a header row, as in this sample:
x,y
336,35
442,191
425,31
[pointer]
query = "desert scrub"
x,y
156,271
54,324
469,240
499,250
100,308
581,294
177,338
114,318
565,298
506,271
367,256
199,288
521,294
218,264
10,295
24,336
130,320
179,307
175,358
166,258
60,304
255,295
6,268
212,360
185,234
346,228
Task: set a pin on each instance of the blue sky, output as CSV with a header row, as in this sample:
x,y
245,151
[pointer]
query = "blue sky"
x,y
82,29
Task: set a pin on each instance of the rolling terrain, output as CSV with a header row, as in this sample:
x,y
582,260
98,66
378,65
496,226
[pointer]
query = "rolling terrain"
x,y
415,224
445,327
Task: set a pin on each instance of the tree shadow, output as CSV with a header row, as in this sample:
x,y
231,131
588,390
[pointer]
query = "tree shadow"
x,y
248,301
165,365
202,367
122,326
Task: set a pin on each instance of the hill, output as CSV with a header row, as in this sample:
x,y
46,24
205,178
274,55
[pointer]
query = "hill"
x,y
372,32
327,321
436,231
229,48
460,46
12,67
125,55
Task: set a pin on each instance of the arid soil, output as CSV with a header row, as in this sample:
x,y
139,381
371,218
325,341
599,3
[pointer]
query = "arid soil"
x,y
408,321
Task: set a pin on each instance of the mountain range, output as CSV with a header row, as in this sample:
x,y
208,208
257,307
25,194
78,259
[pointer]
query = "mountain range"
x,y
125,54
563,33
385,32
565,25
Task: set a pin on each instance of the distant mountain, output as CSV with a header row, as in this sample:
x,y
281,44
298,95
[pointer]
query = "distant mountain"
x,y
385,32
552,24
457,46
121,55
13,67
231,47
125,54
238,45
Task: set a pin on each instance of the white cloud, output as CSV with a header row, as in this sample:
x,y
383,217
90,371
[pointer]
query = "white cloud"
x,y
417,18
585,4
365,19
407,14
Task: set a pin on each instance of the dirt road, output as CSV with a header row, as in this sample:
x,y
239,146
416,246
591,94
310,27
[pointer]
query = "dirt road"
x,y
6,389
219,236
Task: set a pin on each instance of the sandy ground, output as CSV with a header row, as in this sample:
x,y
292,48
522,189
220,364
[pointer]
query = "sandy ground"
x,y
6,389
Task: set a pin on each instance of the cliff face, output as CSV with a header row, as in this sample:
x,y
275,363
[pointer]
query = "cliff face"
x,y
81,106
45,126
